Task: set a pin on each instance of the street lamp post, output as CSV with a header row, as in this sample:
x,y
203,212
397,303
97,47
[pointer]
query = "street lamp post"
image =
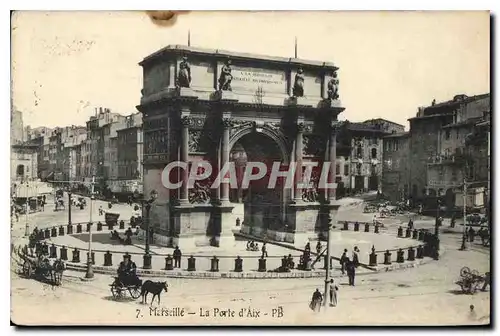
x,y
435,247
69,208
27,226
328,259
90,271
147,204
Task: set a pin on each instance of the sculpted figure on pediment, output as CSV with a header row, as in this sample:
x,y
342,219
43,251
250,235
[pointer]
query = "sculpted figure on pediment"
x,y
184,76
194,141
298,86
333,87
225,77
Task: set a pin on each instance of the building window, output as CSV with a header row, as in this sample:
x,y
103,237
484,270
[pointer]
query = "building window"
x,y
337,169
358,168
447,134
374,153
346,170
454,175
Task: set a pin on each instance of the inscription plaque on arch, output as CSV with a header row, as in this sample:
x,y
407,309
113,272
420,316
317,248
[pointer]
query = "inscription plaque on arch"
x,y
251,79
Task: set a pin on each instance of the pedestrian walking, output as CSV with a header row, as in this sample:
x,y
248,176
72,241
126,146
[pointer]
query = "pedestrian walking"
x,y
487,281
177,257
351,272
318,247
307,247
355,256
452,221
100,211
317,299
410,224
264,250
333,293
343,260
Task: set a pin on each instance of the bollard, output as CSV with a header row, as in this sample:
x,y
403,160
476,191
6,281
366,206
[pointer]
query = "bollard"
x,y
146,259
415,234
122,225
99,226
191,264
53,251
262,265
411,254
367,227
373,257
70,229
421,235
108,259
408,233
111,225
376,228
400,256
88,226
387,257
169,263
47,233
400,232
238,264
76,256
93,257
79,228
64,253
346,225
356,226
284,262
420,252
53,232
214,264
61,230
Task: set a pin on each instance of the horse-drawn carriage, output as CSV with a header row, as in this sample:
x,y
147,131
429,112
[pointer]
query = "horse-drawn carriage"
x,y
118,289
470,281
39,267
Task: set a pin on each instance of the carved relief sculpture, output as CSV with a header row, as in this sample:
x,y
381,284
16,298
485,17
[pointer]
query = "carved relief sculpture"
x,y
200,193
298,85
225,77
311,194
184,76
333,87
194,141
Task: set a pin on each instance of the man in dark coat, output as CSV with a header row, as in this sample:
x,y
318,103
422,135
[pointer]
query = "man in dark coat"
x,y
343,261
127,271
316,300
318,247
351,272
264,250
177,257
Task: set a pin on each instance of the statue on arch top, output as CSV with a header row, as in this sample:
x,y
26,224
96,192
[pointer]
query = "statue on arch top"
x,y
333,87
298,85
225,77
184,75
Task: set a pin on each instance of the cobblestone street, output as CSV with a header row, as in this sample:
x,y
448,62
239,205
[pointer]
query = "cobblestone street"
x,y
425,294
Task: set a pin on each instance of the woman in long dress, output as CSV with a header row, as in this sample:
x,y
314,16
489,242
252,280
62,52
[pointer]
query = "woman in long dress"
x,y
333,293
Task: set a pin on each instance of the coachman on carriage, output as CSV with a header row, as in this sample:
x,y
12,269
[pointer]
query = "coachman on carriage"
x,y
127,279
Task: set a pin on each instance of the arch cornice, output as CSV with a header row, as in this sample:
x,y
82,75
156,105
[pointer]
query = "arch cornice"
x,y
272,132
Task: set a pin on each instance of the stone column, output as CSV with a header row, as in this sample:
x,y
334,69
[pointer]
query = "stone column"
x,y
332,150
298,162
185,158
226,123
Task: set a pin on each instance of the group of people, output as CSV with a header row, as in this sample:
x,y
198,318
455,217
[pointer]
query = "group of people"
x,y
318,297
349,265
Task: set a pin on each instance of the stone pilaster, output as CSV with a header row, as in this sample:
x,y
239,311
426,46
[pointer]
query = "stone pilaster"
x,y
332,157
298,162
185,122
226,123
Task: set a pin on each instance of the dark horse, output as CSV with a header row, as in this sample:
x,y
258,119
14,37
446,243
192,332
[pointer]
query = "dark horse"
x,y
154,288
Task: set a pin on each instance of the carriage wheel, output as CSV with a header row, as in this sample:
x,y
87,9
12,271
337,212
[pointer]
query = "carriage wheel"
x,y
117,292
135,292
464,271
57,278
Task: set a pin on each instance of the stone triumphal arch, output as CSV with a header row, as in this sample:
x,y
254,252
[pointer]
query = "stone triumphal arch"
x,y
220,106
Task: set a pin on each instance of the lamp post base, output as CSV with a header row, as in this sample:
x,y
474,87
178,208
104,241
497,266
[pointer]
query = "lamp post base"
x,y
89,274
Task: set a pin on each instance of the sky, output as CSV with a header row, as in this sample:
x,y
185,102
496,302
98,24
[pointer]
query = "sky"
x,y
64,64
